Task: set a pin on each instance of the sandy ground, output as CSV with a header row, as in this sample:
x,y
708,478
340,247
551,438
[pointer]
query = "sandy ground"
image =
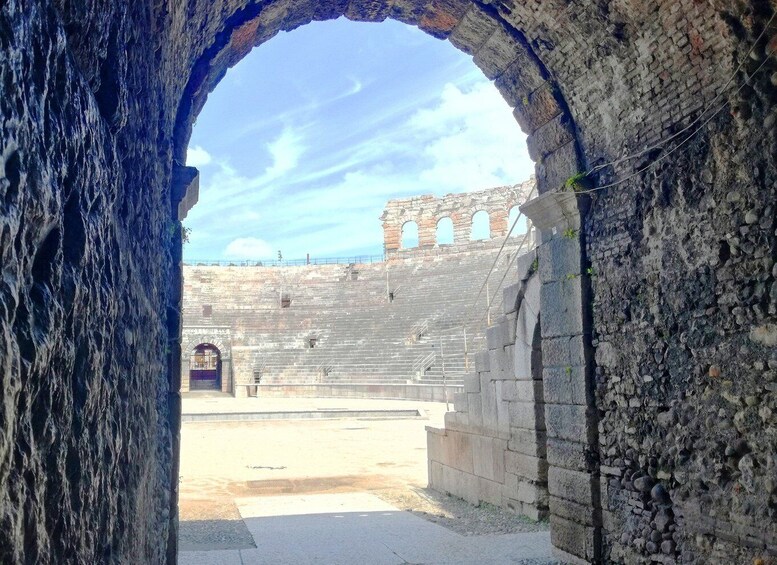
x,y
227,460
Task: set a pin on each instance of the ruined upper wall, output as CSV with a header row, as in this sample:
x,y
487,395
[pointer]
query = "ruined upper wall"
x,y
427,210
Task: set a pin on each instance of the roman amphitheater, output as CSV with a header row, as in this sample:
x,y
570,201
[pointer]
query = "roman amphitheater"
x,y
622,388
386,328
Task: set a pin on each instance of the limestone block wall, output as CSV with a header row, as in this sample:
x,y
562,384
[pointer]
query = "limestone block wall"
x,y
492,448
427,210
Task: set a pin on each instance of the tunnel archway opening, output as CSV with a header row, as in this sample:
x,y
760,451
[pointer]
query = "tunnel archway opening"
x,y
518,74
205,368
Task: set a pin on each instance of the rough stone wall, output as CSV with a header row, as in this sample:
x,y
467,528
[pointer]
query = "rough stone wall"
x,y
493,446
427,210
685,297
86,451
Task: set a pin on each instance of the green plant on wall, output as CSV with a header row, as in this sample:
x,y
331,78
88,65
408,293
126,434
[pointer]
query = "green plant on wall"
x,y
570,233
578,182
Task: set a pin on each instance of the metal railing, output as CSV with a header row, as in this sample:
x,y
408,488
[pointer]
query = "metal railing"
x,y
358,259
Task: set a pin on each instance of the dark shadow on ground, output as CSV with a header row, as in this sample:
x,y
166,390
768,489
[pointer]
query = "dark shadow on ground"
x,y
201,535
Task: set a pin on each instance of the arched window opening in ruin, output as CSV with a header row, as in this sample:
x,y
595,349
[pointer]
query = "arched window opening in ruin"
x,y
481,226
409,235
205,368
445,231
520,227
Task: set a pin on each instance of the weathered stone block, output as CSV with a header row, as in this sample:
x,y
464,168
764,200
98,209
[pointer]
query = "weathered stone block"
x,y
562,308
563,351
522,77
531,511
490,491
497,363
532,468
570,422
522,361
488,402
549,137
567,454
529,391
460,403
436,480
537,108
527,415
528,442
565,385
456,421
475,413
435,442
496,54
497,335
510,297
502,413
482,362
472,382
508,391
572,485
521,490
560,258
442,16
463,485
458,451
368,10
488,458
474,29
574,538
557,167
511,318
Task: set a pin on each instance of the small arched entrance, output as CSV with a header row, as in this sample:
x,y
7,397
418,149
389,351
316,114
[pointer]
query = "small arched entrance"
x,y
205,368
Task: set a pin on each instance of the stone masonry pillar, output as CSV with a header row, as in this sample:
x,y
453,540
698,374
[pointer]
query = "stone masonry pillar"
x,y
570,411
427,230
392,237
498,223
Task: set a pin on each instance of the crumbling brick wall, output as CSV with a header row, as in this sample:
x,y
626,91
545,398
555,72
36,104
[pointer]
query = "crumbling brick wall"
x,y
427,211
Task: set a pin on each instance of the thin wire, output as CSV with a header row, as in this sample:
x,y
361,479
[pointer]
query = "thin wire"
x,y
704,111
501,248
499,286
679,145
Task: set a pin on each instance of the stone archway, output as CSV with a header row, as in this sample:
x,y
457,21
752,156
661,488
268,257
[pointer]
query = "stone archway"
x,y
205,368
501,51
526,50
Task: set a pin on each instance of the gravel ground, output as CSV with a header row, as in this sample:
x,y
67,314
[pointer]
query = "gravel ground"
x,y
458,515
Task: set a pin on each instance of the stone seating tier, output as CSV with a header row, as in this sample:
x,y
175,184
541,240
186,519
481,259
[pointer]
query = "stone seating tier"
x,y
361,336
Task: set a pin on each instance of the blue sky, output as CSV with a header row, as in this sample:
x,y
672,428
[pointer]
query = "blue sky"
x,y
304,141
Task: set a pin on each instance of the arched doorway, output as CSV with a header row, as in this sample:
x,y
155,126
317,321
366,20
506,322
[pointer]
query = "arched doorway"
x,y
205,368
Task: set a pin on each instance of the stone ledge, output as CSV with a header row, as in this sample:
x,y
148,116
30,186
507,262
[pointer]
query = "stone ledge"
x,y
553,210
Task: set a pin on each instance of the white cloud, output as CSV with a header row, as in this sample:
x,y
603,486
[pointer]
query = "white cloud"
x,y
472,140
325,197
197,156
285,150
248,248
